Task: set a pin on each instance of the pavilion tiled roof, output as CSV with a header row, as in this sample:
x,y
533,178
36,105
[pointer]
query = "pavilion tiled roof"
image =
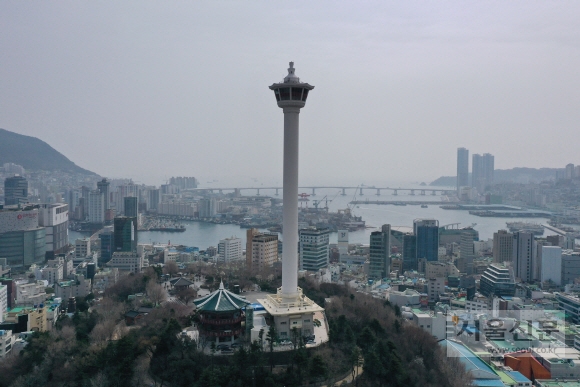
x,y
221,300
180,281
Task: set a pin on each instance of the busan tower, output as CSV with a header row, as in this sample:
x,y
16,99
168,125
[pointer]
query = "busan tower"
x,y
289,307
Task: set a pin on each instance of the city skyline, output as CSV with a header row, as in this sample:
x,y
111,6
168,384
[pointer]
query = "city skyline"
x,y
421,81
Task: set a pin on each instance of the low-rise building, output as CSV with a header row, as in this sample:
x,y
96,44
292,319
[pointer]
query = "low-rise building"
x,y
105,278
7,340
127,261
31,292
409,297
78,287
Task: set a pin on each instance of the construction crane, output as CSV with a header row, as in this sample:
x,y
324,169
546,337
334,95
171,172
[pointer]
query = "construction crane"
x,y
316,203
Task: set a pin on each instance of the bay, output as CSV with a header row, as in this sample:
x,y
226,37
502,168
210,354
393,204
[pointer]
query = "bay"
x,y
203,235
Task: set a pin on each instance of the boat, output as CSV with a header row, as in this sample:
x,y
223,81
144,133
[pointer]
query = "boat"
x,y
534,228
424,206
168,229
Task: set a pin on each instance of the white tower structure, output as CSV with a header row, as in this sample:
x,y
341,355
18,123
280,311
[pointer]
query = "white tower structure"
x,y
289,306
291,97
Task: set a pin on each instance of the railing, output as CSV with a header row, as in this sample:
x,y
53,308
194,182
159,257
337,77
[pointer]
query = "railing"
x,y
221,333
219,321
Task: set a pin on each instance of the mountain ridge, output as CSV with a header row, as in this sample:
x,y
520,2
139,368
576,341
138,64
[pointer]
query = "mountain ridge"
x,y
34,154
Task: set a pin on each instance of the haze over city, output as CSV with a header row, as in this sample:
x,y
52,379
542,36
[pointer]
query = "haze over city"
x,y
149,91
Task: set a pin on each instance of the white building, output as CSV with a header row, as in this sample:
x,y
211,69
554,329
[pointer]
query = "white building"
x,y
78,287
230,249
3,301
126,261
7,340
313,248
552,264
409,297
54,271
54,218
176,208
82,247
207,208
435,287
30,292
434,323
96,207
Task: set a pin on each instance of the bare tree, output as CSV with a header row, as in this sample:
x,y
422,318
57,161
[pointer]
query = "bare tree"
x,y
186,294
156,293
170,268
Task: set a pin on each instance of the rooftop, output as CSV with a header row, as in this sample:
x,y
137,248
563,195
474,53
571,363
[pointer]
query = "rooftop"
x,y
221,300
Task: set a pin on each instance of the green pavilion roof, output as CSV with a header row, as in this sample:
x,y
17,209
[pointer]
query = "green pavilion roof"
x,y
221,301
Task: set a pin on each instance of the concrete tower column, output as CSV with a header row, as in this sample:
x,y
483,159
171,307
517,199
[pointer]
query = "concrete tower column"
x,y
290,203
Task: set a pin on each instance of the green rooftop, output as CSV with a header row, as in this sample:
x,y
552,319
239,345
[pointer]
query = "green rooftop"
x,y
221,301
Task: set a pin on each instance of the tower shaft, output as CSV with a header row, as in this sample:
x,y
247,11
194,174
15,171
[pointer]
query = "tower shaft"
x,y
290,207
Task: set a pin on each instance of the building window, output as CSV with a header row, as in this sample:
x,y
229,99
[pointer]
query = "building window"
x,y
284,93
283,323
296,93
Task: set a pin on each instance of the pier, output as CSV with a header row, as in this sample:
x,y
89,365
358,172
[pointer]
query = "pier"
x,y
395,202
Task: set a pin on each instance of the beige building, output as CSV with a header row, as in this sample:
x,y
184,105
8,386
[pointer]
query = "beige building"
x,y
440,269
261,250
36,317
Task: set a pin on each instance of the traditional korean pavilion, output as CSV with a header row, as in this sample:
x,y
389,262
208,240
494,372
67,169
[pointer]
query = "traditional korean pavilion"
x,y
220,316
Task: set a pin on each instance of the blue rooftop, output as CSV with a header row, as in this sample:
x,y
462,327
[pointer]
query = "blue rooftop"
x,y
518,377
482,373
488,383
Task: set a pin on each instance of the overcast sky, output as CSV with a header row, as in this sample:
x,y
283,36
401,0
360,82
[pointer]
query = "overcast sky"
x,y
151,89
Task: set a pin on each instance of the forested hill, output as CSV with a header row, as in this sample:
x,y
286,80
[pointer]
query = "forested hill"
x,y
34,154
515,175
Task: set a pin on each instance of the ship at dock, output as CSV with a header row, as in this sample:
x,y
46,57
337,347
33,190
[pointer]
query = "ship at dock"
x,y
161,224
534,228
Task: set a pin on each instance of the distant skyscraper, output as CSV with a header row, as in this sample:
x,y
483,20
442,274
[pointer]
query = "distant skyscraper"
x,y
523,255
96,207
314,250
125,230
103,187
462,168
207,208
503,246
107,245
482,171
488,168
467,253
570,171
130,206
15,190
380,252
409,252
427,239
153,199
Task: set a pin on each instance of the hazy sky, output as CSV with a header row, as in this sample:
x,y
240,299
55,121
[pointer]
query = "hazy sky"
x,y
151,89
